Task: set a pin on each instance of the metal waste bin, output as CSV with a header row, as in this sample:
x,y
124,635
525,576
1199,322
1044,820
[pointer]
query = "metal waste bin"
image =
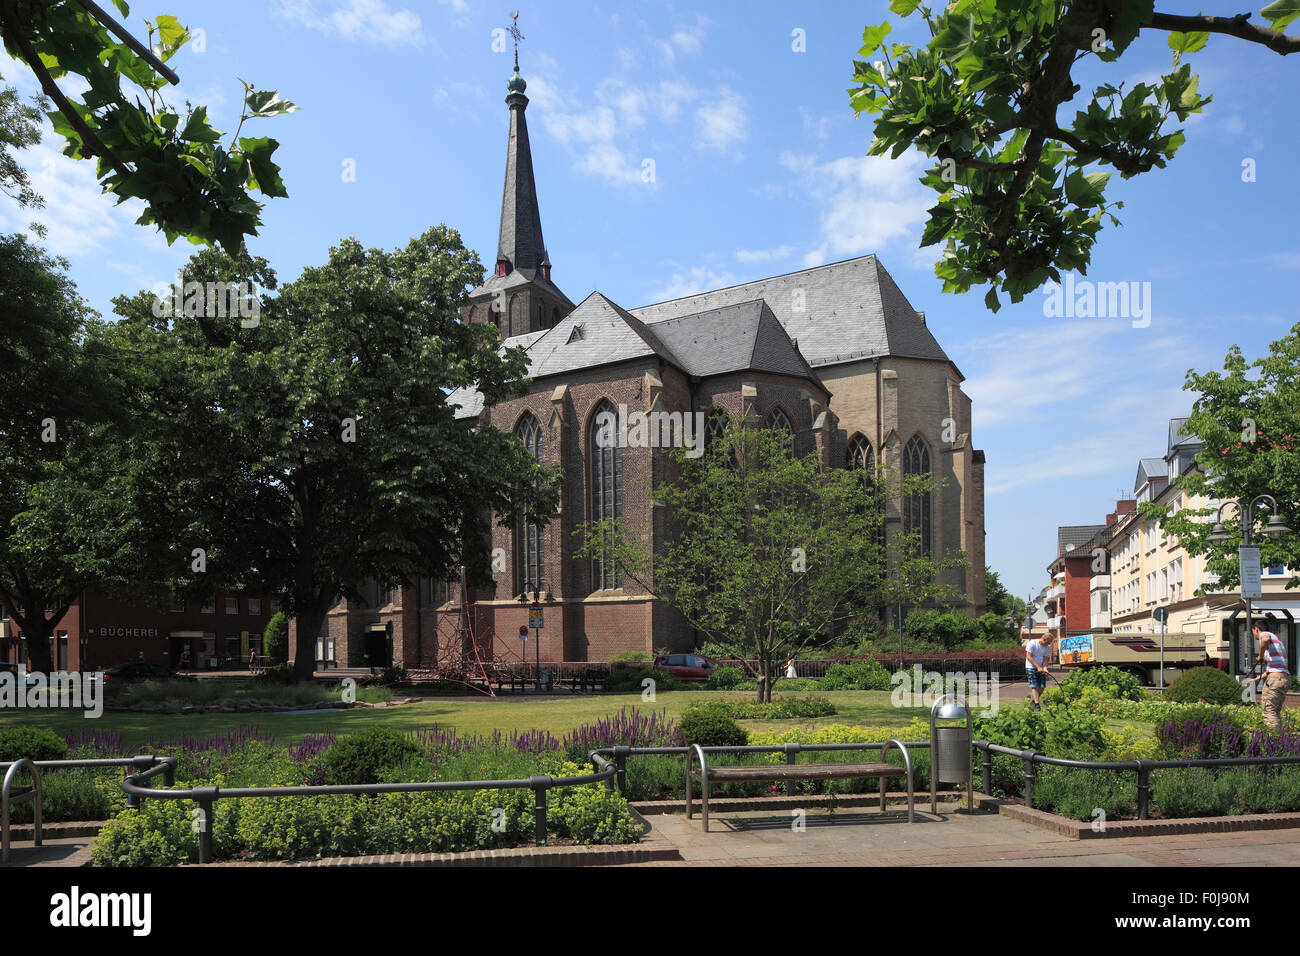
x,y
950,749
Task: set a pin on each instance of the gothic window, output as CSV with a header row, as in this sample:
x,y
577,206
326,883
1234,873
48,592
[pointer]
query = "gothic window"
x,y
606,484
859,454
529,557
779,423
916,506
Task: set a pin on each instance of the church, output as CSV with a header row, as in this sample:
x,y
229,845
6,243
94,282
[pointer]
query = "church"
x,y
833,354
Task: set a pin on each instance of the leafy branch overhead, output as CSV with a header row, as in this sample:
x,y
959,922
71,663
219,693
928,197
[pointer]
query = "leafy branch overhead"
x,y
192,183
1021,196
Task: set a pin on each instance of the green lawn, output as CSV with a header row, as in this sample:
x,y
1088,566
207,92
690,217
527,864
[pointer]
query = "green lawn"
x,y
557,714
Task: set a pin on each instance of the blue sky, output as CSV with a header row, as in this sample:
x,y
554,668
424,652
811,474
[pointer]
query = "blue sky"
x,y
759,170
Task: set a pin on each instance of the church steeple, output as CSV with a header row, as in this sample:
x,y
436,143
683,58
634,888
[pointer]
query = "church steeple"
x,y
520,245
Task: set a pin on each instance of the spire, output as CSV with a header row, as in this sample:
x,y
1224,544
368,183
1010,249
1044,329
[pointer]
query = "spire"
x,y
520,245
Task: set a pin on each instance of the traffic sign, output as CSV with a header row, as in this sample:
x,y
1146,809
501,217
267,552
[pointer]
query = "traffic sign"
x,y
535,616
523,632
1251,585
1160,614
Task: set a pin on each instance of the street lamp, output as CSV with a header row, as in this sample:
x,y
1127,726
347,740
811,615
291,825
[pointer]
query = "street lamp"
x,y
1219,535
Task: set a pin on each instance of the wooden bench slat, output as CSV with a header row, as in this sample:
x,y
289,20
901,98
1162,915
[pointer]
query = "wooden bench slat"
x,y
802,771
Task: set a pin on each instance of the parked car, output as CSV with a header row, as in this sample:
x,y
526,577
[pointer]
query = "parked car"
x,y
136,671
689,668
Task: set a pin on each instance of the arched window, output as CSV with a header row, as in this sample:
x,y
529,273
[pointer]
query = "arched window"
x,y
530,564
606,484
779,423
916,506
859,454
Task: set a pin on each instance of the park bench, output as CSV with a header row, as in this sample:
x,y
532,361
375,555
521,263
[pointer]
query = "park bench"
x,y
706,776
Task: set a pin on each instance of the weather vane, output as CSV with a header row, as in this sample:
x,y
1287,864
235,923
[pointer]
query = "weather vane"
x,y
514,32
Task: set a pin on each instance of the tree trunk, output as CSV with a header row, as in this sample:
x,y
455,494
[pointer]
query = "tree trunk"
x,y
304,657
38,629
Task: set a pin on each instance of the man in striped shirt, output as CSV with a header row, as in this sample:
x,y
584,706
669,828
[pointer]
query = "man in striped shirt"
x,y
1276,679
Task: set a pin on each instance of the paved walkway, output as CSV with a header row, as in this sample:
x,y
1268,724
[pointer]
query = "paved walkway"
x,y
71,851
862,837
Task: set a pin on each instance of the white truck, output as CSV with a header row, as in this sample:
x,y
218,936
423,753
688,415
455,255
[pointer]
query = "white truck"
x,y
1139,654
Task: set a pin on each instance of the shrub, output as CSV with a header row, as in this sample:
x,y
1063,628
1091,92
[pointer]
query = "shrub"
x,y
34,743
362,757
624,679
945,628
1111,681
856,675
620,657
630,728
157,834
277,637
1191,792
1201,733
725,678
1207,684
783,708
1079,794
591,813
278,674
710,726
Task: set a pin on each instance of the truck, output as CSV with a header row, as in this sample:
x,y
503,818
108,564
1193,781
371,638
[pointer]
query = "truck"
x,y
1139,654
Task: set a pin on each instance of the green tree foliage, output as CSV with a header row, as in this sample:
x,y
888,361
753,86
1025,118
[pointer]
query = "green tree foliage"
x,y
1248,417
65,517
315,450
192,184
20,127
1021,197
767,552
999,600
277,637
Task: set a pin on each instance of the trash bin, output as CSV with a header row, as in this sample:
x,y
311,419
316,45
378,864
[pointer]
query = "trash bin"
x,y
950,749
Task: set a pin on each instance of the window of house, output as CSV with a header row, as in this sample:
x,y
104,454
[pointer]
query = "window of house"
x,y
209,606
606,485
859,454
232,605
255,606
177,604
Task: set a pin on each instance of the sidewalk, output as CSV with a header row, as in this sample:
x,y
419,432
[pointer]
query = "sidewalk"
x,y
862,837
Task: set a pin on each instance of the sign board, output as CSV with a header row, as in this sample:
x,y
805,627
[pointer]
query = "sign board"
x,y
523,632
535,615
1251,587
1160,614
1076,649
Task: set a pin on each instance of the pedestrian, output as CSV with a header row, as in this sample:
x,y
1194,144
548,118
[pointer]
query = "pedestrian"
x,y
1276,677
185,660
1036,653
252,661
790,672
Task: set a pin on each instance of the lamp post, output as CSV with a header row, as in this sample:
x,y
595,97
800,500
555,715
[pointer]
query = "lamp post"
x,y
1219,534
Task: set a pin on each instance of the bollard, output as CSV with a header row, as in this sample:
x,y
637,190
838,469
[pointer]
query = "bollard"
x,y
988,771
1144,789
1030,775
620,761
206,798
539,785
791,752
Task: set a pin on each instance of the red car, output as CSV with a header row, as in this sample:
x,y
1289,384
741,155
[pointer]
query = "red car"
x,y
689,668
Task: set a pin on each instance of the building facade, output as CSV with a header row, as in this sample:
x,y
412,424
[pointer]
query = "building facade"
x,y
834,355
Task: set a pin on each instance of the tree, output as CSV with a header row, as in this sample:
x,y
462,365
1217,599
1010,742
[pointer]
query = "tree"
x,y
769,552
316,450
999,600
64,520
1248,419
191,184
1021,197
277,638
20,127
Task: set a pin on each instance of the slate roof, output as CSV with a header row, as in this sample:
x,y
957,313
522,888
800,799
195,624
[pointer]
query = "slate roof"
x,y
1073,537
520,241
1149,469
850,310
1178,438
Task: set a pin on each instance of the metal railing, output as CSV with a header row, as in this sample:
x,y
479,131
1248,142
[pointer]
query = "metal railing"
x,y
615,758
1141,767
206,797
9,793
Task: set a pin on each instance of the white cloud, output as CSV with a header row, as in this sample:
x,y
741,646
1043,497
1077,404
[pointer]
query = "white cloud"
x,y
693,280
865,202
764,255
721,122
369,21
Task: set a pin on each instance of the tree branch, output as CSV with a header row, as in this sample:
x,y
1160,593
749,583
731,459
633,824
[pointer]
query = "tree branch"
x,y
1238,26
